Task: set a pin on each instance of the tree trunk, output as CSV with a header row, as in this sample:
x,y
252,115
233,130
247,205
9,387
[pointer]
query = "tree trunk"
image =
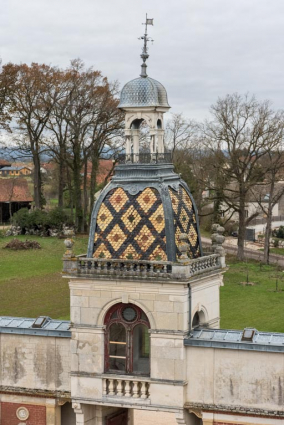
x,y
10,211
93,183
77,191
85,194
71,197
38,198
267,236
268,223
61,183
242,230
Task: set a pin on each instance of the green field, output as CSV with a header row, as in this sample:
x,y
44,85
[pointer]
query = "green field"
x,y
31,284
30,281
258,305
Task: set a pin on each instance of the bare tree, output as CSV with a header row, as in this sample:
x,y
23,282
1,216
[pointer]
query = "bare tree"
x,y
243,130
179,133
269,193
6,82
32,95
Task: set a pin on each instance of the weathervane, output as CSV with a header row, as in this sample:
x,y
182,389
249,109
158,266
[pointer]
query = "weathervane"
x,y
144,54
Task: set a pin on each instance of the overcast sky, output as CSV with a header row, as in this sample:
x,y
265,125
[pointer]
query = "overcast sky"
x,y
202,49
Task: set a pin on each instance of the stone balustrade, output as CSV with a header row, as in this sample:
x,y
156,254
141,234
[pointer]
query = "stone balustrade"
x,y
128,388
165,270
87,266
203,264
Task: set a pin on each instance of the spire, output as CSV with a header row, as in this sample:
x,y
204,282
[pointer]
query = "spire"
x,y
144,54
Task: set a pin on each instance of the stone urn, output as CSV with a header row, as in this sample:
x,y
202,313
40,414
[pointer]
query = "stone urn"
x,y
69,245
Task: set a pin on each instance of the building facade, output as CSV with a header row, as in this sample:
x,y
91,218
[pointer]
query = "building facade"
x,y
143,344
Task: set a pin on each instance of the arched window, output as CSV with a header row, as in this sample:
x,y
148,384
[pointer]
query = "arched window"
x,y
127,340
198,319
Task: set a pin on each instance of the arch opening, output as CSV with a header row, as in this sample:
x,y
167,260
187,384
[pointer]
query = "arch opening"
x,y
127,342
198,319
135,125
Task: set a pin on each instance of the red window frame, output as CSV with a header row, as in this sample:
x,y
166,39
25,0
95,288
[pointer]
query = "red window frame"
x,y
140,319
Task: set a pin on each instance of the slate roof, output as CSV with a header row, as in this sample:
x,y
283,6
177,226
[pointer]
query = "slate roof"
x,y
15,190
22,325
232,339
14,168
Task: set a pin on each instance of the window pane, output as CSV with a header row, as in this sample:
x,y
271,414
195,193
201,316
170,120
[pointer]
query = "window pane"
x,y
117,349
117,333
141,349
114,315
117,364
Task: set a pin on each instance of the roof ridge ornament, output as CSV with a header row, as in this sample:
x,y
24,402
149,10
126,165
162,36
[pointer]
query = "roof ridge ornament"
x,y
144,54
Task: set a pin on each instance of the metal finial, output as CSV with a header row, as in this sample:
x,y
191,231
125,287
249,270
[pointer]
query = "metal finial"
x,y
144,54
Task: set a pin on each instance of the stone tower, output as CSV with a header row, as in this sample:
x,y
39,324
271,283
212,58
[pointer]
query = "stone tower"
x,y
144,282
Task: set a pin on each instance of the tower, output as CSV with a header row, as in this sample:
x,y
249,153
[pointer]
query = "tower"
x,y
145,281
144,99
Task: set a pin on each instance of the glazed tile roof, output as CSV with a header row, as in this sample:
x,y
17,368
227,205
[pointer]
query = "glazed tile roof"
x,y
22,325
15,190
232,339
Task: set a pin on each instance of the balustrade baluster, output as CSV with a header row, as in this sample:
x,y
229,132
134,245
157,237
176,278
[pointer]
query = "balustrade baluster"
x,y
135,390
111,387
127,389
119,388
104,386
143,390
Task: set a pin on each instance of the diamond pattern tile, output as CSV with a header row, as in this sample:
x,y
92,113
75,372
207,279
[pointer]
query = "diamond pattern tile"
x,y
118,199
131,218
147,199
105,217
116,237
185,220
131,226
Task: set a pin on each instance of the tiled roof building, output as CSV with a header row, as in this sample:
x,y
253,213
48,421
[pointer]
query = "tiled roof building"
x,y
14,195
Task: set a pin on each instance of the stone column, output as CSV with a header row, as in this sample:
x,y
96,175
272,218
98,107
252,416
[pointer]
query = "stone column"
x,y
85,414
135,137
160,141
53,413
127,145
185,418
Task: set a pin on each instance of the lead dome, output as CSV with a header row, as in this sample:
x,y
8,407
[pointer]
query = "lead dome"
x,y
143,91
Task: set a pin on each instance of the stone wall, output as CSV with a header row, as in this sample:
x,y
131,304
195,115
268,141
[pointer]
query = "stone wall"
x,y
35,362
235,379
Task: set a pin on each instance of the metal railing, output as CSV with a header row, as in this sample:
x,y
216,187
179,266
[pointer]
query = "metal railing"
x,y
145,158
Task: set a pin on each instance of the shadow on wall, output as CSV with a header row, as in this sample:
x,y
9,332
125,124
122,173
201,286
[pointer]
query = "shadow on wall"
x,y
68,416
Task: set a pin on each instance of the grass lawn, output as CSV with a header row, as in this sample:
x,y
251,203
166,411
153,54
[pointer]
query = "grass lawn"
x,y
205,233
258,306
279,251
30,281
